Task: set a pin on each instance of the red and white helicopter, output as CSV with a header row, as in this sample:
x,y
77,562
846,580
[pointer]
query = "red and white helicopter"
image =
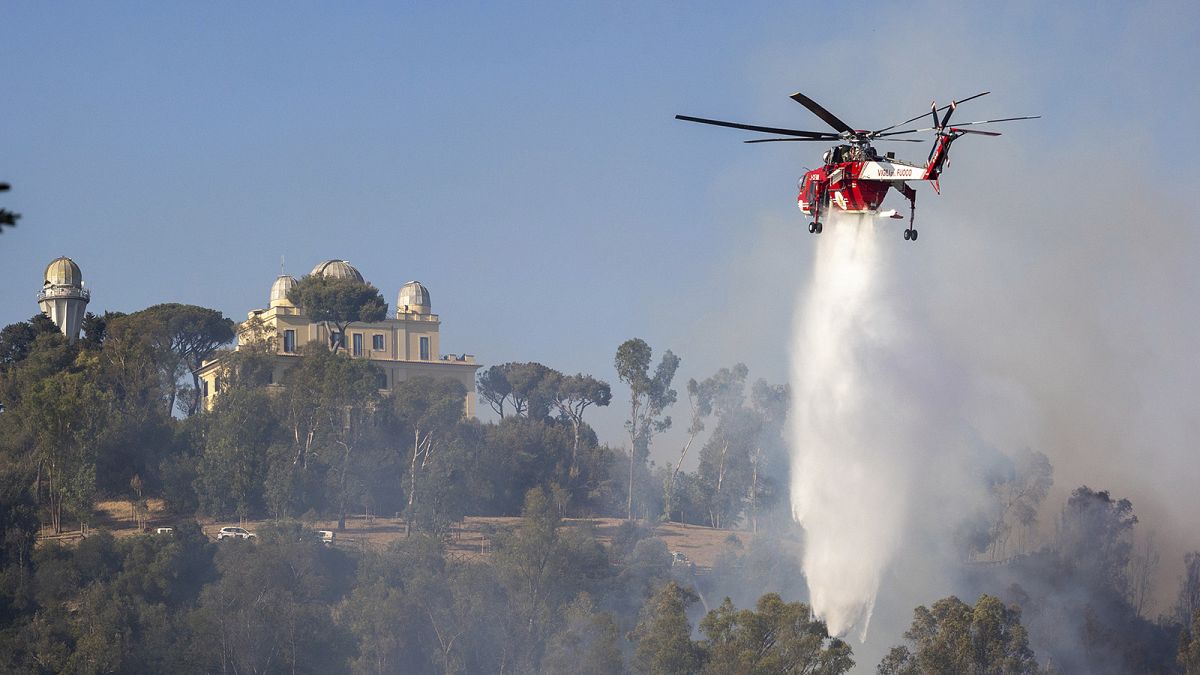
x,y
855,178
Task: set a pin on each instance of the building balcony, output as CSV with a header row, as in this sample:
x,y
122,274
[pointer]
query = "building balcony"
x,y
57,293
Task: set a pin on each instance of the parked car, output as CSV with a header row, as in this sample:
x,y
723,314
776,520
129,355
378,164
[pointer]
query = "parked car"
x,y
164,530
327,536
235,533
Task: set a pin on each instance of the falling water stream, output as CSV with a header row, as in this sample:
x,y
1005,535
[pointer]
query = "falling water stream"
x,y
854,425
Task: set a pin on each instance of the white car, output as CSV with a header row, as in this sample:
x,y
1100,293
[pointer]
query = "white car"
x,y
327,536
234,533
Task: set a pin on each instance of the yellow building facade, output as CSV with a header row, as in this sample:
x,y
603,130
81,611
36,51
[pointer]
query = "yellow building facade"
x,y
402,347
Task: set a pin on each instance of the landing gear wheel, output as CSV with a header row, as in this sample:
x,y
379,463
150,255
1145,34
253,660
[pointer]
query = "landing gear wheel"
x,y
914,235
907,235
818,227
812,228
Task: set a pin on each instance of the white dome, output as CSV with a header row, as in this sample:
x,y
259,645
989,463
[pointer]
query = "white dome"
x,y
337,269
63,271
280,288
413,298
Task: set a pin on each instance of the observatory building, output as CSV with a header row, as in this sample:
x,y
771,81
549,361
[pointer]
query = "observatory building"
x,y
63,297
402,347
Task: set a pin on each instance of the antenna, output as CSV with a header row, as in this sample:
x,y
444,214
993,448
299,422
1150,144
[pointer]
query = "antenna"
x,y
281,265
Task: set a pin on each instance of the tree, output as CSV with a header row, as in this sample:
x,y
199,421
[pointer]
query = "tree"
x,y
429,409
329,410
95,329
776,637
18,516
16,339
531,388
1019,494
770,458
185,336
337,301
270,607
1094,536
663,635
7,218
397,611
573,394
700,401
233,464
1188,602
493,387
649,397
587,643
952,638
1189,647
64,413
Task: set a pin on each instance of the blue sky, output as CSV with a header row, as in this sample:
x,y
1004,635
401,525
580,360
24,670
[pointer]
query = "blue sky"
x,y
521,159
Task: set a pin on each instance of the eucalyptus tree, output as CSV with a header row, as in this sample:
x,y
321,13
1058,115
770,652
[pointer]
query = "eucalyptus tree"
x,y
649,397
328,409
953,637
429,409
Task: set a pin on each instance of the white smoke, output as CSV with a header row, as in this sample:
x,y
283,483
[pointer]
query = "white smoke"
x,y
869,418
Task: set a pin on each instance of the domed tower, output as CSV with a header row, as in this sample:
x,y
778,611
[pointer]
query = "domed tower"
x,y
279,291
63,297
337,269
413,299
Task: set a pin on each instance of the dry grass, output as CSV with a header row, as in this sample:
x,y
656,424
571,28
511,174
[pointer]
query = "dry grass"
x,y
469,539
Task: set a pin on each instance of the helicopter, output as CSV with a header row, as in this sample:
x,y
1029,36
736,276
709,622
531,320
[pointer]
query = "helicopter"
x,y
854,177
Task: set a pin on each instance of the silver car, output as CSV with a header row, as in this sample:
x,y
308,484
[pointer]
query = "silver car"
x,y
234,533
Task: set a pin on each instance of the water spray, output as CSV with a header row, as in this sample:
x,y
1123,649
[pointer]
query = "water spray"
x,y
854,429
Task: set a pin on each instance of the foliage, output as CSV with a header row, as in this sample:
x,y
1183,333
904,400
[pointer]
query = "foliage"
x,y
1189,647
587,643
663,634
7,218
337,301
649,397
183,337
1094,536
952,637
16,339
776,637
429,410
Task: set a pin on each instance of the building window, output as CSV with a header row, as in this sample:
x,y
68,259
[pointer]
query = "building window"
x,y
289,342
377,342
356,340
336,339
204,388
424,349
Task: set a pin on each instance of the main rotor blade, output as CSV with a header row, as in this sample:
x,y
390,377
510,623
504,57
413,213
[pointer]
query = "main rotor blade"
x,y
1005,119
773,140
900,124
816,135
824,114
973,131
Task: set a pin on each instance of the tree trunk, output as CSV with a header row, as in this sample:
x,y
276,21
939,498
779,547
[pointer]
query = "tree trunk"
x,y
715,517
754,492
670,486
633,434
